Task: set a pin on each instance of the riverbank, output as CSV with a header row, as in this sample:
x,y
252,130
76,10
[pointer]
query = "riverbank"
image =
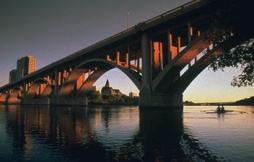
x,y
242,102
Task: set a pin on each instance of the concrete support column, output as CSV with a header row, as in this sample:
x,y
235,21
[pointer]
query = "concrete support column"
x,y
62,77
77,101
199,33
69,71
169,46
148,98
178,44
157,57
64,74
127,62
160,100
118,58
56,89
108,58
146,64
59,78
89,72
25,89
173,49
52,81
190,32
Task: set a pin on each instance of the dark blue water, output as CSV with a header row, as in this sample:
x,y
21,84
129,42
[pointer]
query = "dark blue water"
x,y
123,133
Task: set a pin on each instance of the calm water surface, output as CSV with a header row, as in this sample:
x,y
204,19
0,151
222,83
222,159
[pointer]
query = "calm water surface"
x,y
124,133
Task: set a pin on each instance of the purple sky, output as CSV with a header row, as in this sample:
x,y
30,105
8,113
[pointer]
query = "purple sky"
x,y
45,28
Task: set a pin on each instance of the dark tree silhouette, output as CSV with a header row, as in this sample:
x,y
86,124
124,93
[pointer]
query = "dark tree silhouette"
x,y
235,17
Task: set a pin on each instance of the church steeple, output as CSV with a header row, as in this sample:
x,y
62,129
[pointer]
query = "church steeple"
x,y
107,84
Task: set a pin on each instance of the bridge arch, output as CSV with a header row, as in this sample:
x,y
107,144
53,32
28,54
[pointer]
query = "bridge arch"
x,y
96,68
40,88
192,72
15,95
3,97
168,81
132,75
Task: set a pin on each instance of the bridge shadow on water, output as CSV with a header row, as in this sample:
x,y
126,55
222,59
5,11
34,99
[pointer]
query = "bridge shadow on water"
x,y
165,138
161,131
98,133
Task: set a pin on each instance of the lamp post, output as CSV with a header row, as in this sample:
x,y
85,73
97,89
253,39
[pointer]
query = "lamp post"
x,y
128,13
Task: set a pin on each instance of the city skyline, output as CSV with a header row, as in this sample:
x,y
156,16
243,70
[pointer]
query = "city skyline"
x,y
53,30
25,66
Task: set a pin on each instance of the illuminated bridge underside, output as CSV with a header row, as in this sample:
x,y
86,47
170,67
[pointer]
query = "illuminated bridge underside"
x,y
38,92
170,75
161,57
3,97
14,96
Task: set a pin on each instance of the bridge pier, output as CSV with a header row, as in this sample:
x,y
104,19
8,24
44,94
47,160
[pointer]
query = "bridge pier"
x,y
13,101
160,100
78,101
148,98
35,101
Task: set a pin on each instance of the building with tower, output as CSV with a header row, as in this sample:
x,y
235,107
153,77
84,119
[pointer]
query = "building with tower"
x,y
107,90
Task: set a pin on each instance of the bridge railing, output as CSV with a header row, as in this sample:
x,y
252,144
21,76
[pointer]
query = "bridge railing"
x,y
148,23
174,12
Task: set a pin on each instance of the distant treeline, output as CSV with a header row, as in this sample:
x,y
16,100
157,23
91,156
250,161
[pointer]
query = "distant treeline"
x,y
246,101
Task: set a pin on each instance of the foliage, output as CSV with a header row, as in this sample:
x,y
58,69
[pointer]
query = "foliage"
x,y
188,103
238,43
96,97
123,100
246,101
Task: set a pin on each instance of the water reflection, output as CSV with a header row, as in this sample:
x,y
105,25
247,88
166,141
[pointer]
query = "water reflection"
x,y
197,150
223,137
96,133
161,131
76,133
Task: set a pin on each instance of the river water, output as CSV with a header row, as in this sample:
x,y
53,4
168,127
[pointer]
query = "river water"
x,y
125,133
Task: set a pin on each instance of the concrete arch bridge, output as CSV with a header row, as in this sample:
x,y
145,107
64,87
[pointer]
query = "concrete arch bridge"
x,y
161,56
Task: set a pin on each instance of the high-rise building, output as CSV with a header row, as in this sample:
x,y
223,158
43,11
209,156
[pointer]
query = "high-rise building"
x,y
13,75
26,65
95,88
133,94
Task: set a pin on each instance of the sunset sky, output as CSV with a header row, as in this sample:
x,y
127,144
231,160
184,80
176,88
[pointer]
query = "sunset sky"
x,y
45,28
